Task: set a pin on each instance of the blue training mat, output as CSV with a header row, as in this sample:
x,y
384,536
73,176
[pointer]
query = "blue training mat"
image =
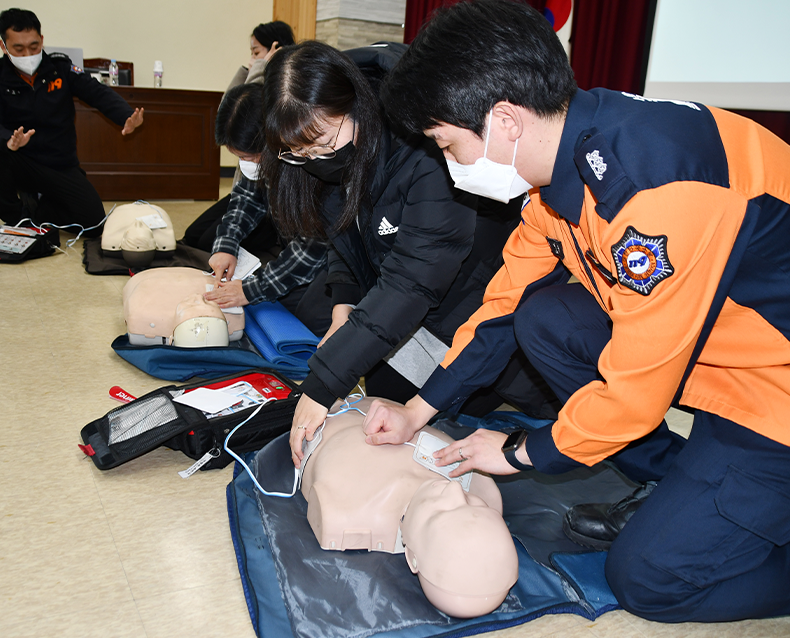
x,y
555,576
179,364
279,336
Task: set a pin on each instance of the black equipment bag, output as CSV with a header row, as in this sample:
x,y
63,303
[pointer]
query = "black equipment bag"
x,y
42,245
155,419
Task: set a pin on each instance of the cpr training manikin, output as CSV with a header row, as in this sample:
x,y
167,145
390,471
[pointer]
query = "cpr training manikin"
x,y
379,498
165,306
139,233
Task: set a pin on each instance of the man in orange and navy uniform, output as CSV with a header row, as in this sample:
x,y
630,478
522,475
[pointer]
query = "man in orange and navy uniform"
x,y
38,140
675,219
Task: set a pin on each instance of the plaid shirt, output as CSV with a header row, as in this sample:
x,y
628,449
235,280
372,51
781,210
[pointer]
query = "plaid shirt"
x,y
298,263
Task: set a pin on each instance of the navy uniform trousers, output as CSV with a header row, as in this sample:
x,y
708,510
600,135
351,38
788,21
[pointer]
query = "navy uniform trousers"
x,y
67,197
711,542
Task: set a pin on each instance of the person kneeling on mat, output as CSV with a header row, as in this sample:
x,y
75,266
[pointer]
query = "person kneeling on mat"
x,y
669,213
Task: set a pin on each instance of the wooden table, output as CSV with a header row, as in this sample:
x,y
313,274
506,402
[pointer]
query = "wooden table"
x,y
171,156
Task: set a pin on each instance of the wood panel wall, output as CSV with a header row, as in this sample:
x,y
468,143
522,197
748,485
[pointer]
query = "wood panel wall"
x,y
171,156
300,14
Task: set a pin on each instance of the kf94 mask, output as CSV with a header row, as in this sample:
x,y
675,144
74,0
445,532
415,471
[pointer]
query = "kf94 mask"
x,y
487,178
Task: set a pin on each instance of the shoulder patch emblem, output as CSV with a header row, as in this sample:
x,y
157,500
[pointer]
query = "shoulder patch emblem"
x,y
641,260
597,164
76,69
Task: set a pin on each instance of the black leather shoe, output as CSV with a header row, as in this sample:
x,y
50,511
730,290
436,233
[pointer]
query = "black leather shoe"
x,y
596,525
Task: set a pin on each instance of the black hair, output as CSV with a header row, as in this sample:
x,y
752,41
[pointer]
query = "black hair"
x,y
18,20
271,32
304,85
238,124
472,55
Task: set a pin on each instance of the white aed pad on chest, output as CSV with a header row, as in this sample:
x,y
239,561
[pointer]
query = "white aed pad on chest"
x,y
157,301
427,444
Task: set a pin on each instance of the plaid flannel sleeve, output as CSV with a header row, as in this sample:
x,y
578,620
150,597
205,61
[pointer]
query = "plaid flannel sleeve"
x,y
248,206
298,264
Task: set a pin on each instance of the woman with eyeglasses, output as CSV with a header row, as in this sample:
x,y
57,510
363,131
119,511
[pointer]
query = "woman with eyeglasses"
x,y
405,265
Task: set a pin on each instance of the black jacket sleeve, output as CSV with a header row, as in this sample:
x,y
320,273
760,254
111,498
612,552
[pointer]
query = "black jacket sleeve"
x,y
435,235
99,96
341,281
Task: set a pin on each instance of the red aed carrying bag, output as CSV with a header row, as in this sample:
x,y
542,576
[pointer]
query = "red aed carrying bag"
x,y
156,419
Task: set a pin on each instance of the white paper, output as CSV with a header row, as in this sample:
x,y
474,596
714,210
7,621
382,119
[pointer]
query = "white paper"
x,y
207,400
236,310
153,221
245,393
246,264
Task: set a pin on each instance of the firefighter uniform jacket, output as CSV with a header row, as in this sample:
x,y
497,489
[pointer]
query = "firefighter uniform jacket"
x,y
675,217
48,107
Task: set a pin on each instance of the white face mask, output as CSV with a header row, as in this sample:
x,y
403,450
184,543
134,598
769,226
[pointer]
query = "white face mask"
x,y
27,64
249,169
488,178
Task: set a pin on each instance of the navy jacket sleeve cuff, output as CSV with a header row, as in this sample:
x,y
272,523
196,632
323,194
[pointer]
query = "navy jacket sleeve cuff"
x,y
441,390
545,456
317,391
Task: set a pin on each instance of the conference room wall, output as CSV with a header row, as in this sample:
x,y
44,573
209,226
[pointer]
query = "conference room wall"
x,y
201,43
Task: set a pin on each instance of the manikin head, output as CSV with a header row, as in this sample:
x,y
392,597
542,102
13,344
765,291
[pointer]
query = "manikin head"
x,y
199,323
138,245
460,548
139,233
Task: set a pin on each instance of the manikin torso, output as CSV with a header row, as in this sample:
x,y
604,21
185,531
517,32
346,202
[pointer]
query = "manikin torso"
x,y
357,493
379,498
151,298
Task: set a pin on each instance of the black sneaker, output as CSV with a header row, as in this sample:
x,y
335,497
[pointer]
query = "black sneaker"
x,y
596,525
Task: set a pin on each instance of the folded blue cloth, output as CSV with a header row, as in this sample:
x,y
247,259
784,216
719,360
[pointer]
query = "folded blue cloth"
x,y
279,336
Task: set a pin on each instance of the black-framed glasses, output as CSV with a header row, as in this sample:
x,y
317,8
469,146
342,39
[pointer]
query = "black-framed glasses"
x,y
319,151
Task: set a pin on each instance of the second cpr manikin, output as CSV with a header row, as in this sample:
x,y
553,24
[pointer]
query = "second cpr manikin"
x,y
165,306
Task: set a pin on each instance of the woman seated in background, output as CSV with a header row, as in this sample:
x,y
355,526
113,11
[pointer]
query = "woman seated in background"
x,y
409,255
264,42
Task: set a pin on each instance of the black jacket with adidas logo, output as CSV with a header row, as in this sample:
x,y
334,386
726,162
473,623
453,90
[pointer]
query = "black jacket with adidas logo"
x,y
421,253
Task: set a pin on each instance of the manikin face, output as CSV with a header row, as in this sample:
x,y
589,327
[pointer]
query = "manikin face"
x,y
22,44
460,548
199,323
436,498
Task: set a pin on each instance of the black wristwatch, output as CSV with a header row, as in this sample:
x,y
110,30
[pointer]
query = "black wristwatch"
x,y
512,443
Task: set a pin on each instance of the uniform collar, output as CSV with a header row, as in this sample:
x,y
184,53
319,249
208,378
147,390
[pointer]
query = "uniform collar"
x,y
9,73
565,193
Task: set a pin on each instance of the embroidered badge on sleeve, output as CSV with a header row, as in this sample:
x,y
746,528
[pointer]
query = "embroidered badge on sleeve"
x,y
641,260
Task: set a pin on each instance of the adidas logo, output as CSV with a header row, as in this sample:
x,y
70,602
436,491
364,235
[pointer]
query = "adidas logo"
x,y
385,228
